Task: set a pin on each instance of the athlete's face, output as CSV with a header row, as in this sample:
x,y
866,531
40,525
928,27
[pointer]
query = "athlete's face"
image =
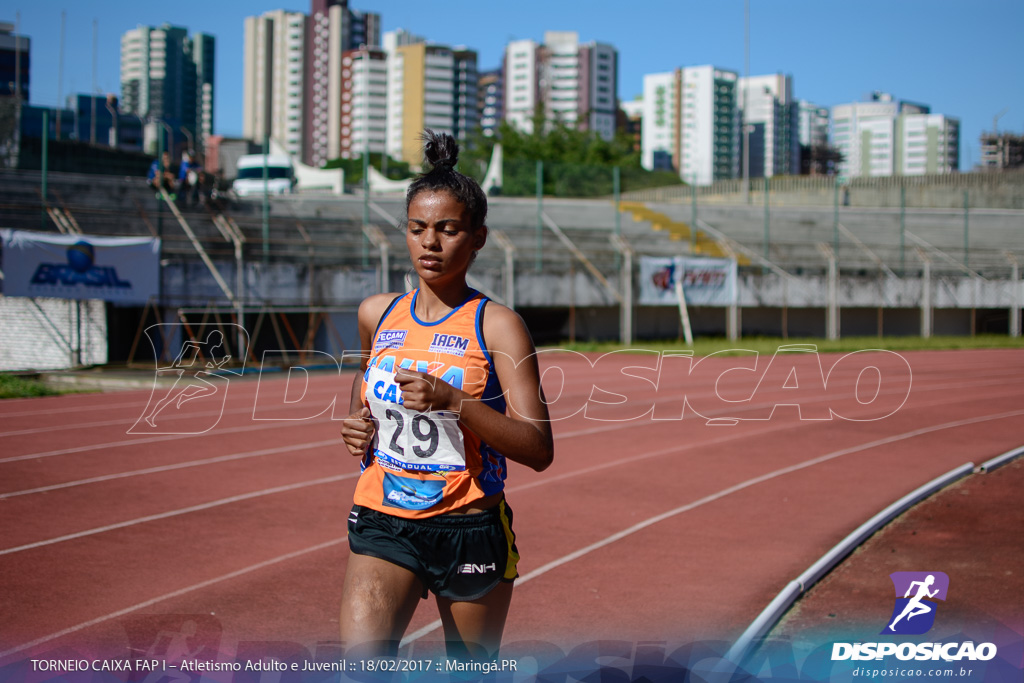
x,y
439,236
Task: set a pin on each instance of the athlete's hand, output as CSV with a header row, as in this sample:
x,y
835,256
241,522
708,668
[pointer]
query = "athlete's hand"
x,y
357,431
424,392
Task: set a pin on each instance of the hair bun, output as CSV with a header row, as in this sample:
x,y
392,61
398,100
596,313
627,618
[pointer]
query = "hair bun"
x,y
440,150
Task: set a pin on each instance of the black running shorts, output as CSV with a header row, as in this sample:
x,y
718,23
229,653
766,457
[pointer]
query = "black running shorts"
x,y
459,557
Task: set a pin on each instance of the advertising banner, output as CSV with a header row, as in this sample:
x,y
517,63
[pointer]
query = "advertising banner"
x,y
706,281
118,269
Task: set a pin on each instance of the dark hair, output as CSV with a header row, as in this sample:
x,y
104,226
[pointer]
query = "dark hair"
x,y
441,151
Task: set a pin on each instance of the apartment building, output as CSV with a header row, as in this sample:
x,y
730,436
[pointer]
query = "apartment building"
x,y
421,94
273,74
691,123
772,117
333,29
168,76
363,102
883,136
570,83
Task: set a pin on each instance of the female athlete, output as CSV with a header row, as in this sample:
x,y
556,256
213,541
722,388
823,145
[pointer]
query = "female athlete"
x,y
450,389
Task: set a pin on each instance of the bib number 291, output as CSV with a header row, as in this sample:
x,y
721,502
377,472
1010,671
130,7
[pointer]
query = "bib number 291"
x,y
422,428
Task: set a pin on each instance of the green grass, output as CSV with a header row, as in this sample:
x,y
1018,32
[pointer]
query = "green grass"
x,y
12,386
768,345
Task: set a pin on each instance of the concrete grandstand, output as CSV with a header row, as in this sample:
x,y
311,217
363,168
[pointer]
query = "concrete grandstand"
x,y
887,270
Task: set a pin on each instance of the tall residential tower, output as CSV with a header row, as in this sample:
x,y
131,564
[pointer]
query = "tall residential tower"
x,y
885,137
273,73
167,76
570,83
333,29
691,124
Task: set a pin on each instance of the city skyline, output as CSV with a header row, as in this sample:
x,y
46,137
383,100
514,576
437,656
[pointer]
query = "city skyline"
x,y
957,58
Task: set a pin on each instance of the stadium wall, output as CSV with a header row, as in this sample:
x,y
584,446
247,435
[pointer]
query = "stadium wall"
x,y
51,334
987,190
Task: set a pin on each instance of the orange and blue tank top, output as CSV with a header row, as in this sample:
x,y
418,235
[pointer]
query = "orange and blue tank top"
x,y
422,464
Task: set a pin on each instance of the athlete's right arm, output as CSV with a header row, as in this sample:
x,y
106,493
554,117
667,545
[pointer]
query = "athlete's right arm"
x,y
357,428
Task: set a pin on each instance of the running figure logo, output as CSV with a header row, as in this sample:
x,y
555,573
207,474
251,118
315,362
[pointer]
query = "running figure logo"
x,y
189,394
914,612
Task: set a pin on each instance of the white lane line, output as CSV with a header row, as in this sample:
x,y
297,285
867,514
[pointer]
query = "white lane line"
x,y
640,526
182,511
175,594
72,409
287,423
164,437
540,570
608,426
247,409
176,466
560,436
615,426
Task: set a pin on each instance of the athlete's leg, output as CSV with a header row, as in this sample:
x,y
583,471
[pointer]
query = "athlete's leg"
x,y
473,628
919,610
377,602
904,613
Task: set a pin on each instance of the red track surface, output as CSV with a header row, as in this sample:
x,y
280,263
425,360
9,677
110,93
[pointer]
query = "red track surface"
x,y
642,530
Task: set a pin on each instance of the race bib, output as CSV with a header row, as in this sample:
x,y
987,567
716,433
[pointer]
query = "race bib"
x,y
409,439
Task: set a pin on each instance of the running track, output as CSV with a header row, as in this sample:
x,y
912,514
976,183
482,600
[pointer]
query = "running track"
x,y
642,530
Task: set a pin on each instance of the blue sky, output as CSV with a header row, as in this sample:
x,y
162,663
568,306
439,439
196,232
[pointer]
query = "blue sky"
x,y
961,57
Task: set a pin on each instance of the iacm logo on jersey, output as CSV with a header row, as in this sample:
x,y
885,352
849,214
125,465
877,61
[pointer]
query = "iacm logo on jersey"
x,y
450,344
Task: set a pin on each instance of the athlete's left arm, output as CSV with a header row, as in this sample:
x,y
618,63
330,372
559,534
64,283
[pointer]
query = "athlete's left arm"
x,y
524,434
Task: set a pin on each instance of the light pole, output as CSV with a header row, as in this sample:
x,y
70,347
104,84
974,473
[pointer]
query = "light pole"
x,y
170,136
188,136
746,102
113,139
142,132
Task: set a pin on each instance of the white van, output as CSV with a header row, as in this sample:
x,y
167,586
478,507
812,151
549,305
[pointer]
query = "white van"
x,y
280,175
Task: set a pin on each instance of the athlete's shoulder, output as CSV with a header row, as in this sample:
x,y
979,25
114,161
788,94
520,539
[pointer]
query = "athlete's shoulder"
x,y
505,329
374,306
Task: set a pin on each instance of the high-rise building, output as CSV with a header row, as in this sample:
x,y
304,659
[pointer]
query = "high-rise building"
x,y
817,157
333,29
421,94
364,96
927,144
490,101
884,137
1001,151
710,125
771,116
812,124
691,124
14,60
168,77
465,111
273,73
567,82
660,121
204,53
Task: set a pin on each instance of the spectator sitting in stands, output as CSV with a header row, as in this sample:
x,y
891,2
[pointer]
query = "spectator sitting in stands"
x,y
188,178
161,168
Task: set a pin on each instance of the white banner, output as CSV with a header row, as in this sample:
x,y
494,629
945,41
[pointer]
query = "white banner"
x,y
706,281
118,269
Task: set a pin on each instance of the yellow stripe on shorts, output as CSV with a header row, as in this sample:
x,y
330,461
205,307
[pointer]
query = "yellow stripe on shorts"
x,y
511,570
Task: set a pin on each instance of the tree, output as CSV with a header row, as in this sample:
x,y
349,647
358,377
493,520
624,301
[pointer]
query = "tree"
x,y
820,159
